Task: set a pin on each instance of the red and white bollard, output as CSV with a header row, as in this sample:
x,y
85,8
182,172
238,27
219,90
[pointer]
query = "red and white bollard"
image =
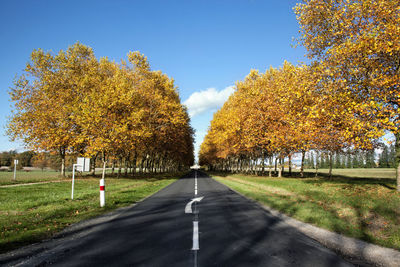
x,y
102,193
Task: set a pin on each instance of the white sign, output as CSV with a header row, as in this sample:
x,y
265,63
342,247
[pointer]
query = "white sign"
x,y
15,162
83,164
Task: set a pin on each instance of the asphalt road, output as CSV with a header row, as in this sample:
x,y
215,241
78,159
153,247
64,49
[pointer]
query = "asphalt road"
x,y
231,231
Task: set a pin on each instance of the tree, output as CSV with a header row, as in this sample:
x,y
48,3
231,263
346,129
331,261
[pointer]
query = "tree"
x,y
370,159
338,162
392,157
384,158
46,100
309,160
312,161
278,113
265,118
358,43
73,104
357,162
25,158
6,157
41,160
349,160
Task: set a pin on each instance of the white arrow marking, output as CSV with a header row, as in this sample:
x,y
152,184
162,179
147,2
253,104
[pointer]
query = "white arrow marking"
x,y
188,208
195,236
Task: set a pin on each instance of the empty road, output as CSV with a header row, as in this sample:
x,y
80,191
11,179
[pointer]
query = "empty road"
x,y
220,229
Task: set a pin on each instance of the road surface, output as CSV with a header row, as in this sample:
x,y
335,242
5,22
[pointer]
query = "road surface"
x,y
220,229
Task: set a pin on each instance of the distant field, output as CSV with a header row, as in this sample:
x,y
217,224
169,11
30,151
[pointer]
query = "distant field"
x,y
31,213
361,203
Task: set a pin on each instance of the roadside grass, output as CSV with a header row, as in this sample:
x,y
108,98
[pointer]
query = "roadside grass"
x,y
364,208
32,213
35,176
379,173
6,178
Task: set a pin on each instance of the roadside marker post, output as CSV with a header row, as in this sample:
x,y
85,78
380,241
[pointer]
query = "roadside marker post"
x,y
102,186
15,168
83,165
102,193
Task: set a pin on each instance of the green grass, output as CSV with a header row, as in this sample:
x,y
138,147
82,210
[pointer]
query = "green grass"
x,y
6,178
32,213
364,208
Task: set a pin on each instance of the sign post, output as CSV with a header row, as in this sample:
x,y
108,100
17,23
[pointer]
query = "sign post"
x,y
15,168
82,165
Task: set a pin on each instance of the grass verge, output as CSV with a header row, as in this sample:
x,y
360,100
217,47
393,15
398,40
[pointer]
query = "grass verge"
x,y
368,209
7,178
29,214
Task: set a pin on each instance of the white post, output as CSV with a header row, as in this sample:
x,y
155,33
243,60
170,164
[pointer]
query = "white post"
x,y
102,193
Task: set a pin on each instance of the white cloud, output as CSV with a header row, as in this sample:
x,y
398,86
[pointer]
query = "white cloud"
x,y
207,100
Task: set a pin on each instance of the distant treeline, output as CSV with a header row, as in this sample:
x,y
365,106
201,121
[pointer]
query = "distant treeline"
x,y
43,160
353,159
52,161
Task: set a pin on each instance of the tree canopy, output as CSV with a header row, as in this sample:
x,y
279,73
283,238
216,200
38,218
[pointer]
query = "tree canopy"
x,y
71,102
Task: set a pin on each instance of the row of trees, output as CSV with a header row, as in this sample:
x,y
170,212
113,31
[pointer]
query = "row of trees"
x,y
44,160
73,103
346,98
25,158
275,114
354,159
48,160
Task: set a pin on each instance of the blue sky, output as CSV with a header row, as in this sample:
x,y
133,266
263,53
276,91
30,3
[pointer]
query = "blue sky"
x,y
204,45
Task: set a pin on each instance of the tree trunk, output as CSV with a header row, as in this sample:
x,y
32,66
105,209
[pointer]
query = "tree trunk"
x,y
290,164
63,166
126,167
280,166
303,154
62,156
119,167
104,169
283,164
270,166
330,164
316,164
276,164
134,163
141,165
93,163
104,165
397,166
263,164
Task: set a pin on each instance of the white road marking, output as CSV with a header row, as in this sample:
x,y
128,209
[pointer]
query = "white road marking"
x,y
195,183
188,208
195,236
